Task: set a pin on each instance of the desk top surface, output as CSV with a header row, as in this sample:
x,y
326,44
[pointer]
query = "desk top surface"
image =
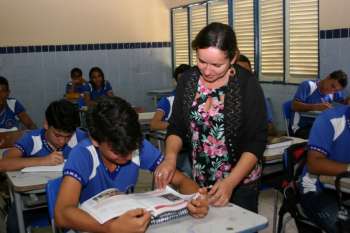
x,y
329,182
227,219
29,181
165,91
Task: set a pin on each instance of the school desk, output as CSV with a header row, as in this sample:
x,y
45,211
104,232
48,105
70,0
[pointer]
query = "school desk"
x,y
158,93
23,186
329,182
228,219
310,114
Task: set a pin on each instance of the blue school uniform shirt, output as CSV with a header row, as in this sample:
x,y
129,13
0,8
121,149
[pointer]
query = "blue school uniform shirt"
x,y
86,166
82,89
100,92
9,120
309,93
330,136
34,143
165,105
268,110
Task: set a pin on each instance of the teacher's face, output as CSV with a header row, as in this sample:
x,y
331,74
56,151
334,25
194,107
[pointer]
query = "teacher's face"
x,y
213,63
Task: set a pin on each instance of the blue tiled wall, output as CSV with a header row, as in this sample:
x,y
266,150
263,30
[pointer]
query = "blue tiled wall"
x,y
38,74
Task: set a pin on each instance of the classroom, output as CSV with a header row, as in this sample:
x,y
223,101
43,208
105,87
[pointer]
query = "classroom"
x,y
297,53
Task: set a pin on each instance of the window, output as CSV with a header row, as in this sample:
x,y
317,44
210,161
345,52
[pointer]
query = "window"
x,y
303,39
243,24
271,34
287,34
180,36
198,21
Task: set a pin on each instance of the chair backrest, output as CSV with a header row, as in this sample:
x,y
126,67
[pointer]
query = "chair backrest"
x,y
52,189
294,160
287,114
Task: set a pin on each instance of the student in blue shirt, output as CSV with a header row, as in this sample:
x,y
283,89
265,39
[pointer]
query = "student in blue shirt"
x,y
12,111
49,145
163,114
244,62
316,95
111,158
328,155
78,90
98,85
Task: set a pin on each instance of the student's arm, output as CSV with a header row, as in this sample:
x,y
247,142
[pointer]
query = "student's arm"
x,y
319,164
110,93
26,120
14,160
68,215
87,99
298,106
198,208
157,122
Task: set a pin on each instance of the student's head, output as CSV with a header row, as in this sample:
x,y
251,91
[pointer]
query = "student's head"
x,y
334,82
4,90
179,70
76,76
97,77
61,121
216,49
114,128
244,62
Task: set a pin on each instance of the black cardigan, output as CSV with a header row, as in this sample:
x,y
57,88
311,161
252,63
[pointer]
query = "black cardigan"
x,y
245,117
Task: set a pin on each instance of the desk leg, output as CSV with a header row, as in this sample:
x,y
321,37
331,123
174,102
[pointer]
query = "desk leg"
x,y
19,211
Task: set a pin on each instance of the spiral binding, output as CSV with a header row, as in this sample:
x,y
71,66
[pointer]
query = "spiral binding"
x,y
168,216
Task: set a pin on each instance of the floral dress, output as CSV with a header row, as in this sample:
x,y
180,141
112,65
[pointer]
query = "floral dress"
x,y
211,160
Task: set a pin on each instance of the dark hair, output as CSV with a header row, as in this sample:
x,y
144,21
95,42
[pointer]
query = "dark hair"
x,y
217,35
180,69
340,76
63,115
99,70
76,72
4,82
114,121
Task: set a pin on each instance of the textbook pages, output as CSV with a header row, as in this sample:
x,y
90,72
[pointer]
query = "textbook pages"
x,y
163,205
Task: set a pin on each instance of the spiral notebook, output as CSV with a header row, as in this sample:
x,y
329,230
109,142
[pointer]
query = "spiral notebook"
x,y
164,205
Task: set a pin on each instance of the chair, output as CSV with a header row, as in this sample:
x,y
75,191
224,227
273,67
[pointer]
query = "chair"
x,y
344,205
287,114
294,160
52,189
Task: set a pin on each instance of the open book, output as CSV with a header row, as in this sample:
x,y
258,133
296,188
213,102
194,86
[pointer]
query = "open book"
x,y
56,168
163,205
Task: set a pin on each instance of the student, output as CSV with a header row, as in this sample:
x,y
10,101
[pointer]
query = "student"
x,y
328,155
12,111
98,85
244,62
162,115
164,105
316,95
78,89
49,145
112,157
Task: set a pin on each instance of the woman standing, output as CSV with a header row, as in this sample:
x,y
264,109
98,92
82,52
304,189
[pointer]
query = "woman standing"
x,y
219,111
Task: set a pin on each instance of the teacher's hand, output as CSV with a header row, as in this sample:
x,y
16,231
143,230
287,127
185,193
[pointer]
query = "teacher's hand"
x,y
164,173
220,193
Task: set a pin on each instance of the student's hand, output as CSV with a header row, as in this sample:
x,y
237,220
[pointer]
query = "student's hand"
x,y
198,208
323,106
164,173
133,221
54,158
220,193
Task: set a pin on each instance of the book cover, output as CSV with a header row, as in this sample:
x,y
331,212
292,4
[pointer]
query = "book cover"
x,y
163,205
